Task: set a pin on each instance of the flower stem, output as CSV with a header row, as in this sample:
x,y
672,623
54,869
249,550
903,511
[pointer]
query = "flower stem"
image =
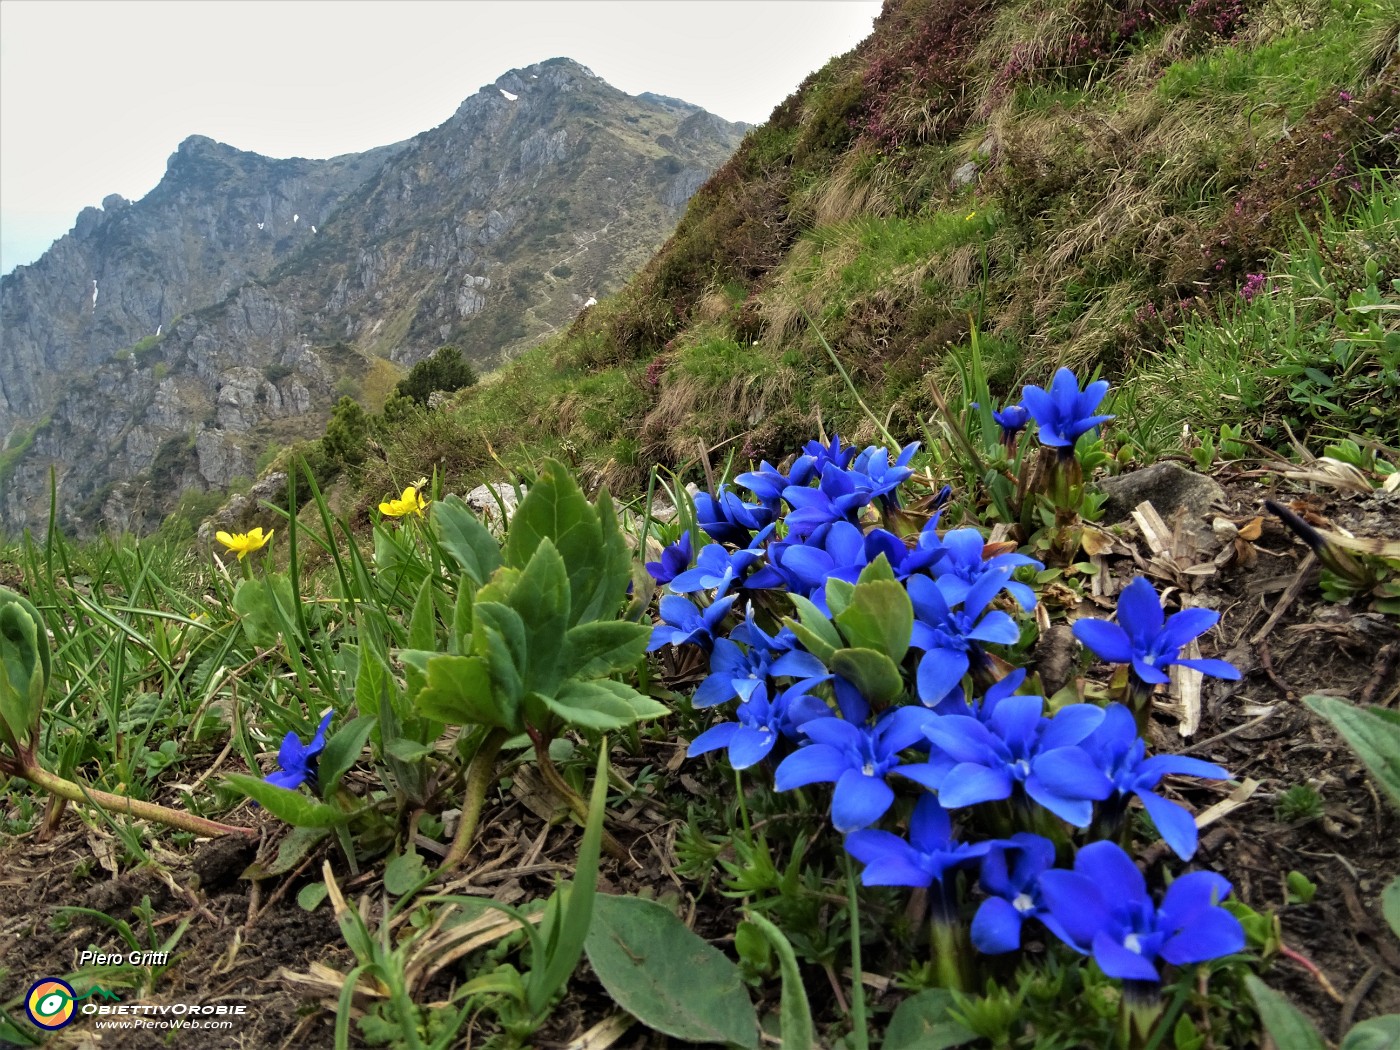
x,y
174,818
480,776
860,1036
950,952
569,796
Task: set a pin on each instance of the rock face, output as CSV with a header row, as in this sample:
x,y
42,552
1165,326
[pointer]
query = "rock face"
x,y
164,344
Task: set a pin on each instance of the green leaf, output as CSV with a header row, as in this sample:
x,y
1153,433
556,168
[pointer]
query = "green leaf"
x,y
794,1011
290,806
664,975
8,597
609,586
1286,1025
839,594
460,692
541,598
310,896
466,540
253,602
873,673
1379,1033
922,1022
342,750
1372,732
404,873
602,647
813,629
877,571
602,704
21,673
1390,905
422,624
880,617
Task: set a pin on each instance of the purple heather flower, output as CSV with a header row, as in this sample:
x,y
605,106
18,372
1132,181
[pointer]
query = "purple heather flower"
x,y
675,559
1064,411
949,638
857,759
1142,639
1102,908
682,623
761,723
1120,752
927,858
984,761
1011,872
298,760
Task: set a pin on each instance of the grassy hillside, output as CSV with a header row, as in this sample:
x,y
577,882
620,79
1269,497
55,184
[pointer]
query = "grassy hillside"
x,y
1183,195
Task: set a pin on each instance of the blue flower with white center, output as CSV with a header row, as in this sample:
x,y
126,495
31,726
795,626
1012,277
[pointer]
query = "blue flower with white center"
x,y
856,759
1017,745
1064,411
298,760
675,559
1117,749
885,477
715,569
682,623
1010,875
927,859
963,565
748,658
729,519
950,639
1102,908
761,724
1143,639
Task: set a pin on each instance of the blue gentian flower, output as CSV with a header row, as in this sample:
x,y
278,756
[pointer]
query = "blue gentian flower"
x,y
857,759
1012,419
1064,412
761,723
815,456
675,559
1011,873
841,496
925,860
748,658
1119,751
767,483
298,760
1142,639
1102,908
949,638
983,762
964,565
729,519
885,477
834,550
682,623
715,569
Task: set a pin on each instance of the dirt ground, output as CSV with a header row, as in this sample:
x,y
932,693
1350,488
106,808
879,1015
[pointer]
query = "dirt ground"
x,y
251,943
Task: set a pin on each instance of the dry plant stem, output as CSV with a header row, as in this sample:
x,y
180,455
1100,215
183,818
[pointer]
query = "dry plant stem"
x,y
569,796
480,776
173,818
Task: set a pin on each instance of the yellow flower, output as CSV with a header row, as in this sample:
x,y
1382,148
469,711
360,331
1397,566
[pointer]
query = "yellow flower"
x,y
244,544
411,502
970,216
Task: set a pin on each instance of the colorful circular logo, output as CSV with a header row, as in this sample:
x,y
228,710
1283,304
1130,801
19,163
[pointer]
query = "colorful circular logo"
x,y
49,1003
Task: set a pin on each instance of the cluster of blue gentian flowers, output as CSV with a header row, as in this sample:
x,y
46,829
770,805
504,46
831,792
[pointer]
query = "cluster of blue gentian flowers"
x,y
962,739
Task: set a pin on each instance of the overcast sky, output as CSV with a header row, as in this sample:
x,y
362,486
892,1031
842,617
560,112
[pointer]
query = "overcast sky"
x,y
96,94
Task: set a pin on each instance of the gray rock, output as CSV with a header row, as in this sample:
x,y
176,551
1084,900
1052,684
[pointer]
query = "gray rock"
x,y
494,508
965,174
1171,489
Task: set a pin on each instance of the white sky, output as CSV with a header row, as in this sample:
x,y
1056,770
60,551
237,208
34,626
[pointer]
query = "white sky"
x,y
96,94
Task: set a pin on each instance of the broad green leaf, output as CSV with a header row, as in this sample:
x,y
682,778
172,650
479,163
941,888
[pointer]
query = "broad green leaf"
x,y
873,673
253,601
1390,905
505,677
609,587
556,509
602,647
838,595
1379,1033
8,597
403,873
342,750
815,631
601,704
460,641
463,536
666,976
541,598
422,624
460,691
1286,1025
880,617
1372,732
290,852
21,672
407,750
794,1011
922,1022
310,896
290,806
878,570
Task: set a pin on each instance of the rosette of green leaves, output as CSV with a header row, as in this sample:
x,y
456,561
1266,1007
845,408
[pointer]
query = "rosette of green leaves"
x,y
867,636
538,642
24,673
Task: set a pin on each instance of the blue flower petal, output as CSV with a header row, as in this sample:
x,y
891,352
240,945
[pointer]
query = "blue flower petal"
x,y
1212,934
859,800
813,764
751,745
996,928
1107,641
1109,868
1078,906
1117,961
940,671
1176,826
712,739
1214,668
967,785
